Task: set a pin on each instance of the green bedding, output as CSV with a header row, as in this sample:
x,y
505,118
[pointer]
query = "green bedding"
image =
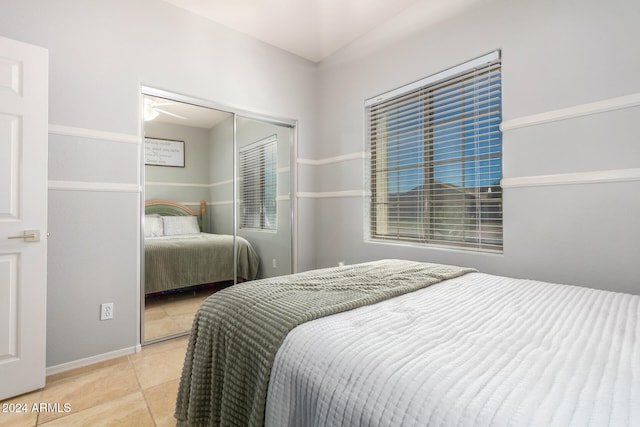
x,y
181,261
237,332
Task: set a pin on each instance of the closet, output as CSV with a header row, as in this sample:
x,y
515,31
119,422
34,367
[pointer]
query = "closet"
x,y
229,169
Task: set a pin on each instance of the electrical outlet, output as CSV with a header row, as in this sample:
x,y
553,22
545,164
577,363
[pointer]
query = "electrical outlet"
x,y
274,262
106,311
340,263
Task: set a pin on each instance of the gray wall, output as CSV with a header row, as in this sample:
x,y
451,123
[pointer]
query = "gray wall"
x,y
221,194
556,54
101,52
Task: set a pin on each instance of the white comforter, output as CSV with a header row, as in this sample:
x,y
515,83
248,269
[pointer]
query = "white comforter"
x,y
478,350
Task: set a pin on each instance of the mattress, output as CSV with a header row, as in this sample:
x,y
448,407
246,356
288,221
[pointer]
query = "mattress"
x,y
477,350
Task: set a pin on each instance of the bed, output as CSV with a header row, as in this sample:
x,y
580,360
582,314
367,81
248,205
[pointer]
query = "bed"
x,y
178,254
400,343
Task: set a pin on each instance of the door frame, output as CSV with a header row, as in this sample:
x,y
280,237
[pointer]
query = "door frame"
x,y
236,112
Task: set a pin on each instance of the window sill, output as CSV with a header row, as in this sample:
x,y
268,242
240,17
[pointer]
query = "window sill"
x,y
432,246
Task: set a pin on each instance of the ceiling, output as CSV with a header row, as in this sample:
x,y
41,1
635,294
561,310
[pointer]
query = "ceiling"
x,y
314,29
311,29
161,110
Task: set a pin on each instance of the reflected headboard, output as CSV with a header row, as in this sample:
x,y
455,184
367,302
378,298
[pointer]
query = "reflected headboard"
x,y
170,208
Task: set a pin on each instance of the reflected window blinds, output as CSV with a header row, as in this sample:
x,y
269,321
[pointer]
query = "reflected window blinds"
x,y
258,185
436,159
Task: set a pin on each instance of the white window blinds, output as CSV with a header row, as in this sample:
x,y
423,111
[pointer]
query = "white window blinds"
x,y
436,159
258,184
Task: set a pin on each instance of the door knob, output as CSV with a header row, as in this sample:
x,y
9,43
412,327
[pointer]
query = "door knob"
x,y
28,236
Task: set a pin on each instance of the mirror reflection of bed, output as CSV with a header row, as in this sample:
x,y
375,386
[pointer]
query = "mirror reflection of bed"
x,y
190,202
184,264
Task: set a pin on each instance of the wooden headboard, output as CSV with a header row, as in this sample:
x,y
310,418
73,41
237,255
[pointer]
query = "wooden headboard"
x,y
170,208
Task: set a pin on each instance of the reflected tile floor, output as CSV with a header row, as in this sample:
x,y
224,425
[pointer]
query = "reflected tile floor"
x,y
168,315
135,390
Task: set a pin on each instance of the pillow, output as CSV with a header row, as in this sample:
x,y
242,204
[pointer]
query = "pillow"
x,y
153,226
175,225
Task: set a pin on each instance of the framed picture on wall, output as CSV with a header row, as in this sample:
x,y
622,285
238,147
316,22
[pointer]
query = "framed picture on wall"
x,y
163,152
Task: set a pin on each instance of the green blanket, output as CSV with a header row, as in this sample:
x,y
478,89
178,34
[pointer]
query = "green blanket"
x,y
237,332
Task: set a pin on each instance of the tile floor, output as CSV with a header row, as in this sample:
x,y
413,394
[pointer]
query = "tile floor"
x,y
137,390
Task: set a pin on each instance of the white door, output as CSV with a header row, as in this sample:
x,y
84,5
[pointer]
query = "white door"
x,y
23,216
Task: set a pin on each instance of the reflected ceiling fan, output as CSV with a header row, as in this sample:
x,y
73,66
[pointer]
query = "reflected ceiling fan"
x,y
151,110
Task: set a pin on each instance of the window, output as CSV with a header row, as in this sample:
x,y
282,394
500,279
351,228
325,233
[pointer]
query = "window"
x,y
436,159
258,185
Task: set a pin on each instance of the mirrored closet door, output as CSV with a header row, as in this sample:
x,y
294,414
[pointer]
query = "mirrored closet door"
x,y
263,189
216,206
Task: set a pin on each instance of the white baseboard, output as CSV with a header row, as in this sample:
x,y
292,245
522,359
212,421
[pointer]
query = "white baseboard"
x,y
592,177
330,160
80,363
605,105
331,194
94,134
115,187
177,184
